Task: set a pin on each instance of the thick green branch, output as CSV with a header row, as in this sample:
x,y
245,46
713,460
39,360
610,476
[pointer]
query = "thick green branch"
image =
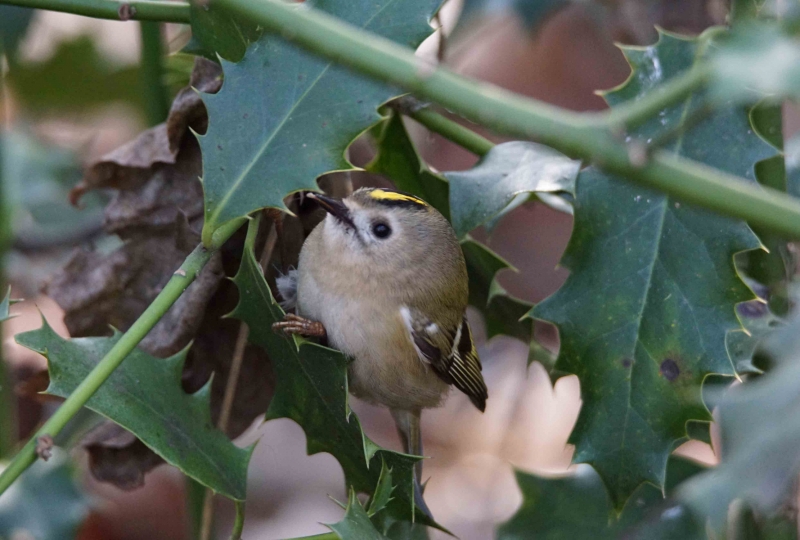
x,y
168,296
574,134
135,10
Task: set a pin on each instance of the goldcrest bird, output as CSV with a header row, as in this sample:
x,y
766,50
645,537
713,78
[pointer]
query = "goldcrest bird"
x,y
383,278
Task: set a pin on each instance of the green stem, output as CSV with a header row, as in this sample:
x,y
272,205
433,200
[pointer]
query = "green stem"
x,y
450,130
238,523
155,93
168,296
136,10
195,495
8,401
323,536
516,115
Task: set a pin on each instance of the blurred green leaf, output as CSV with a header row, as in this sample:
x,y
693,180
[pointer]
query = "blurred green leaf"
x,y
398,160
576,506
760,435
356,524
51,85
44,504
756,60
644,314
37,179
14,22
144,396
532,12
311,389
284,116
508,170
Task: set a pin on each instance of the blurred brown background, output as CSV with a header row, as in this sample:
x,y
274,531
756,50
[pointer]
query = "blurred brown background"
x,y
527,421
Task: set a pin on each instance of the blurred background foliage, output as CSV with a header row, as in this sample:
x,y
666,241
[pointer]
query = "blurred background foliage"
x,y
73,91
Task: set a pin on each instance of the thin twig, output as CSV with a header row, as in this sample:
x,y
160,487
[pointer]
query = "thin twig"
x,y
230,387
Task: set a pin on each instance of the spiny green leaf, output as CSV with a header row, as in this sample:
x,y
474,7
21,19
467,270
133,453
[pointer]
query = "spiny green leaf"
x,y
644,313
356,524
219,32
383,491
5,304
509,169
760,435
398,160
285,116
144,396
312,391
576,506
44,504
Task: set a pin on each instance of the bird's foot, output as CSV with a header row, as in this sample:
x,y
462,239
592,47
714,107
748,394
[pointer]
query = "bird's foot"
x,y
295,324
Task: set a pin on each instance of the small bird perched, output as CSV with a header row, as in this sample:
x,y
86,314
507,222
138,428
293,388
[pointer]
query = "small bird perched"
x,y
384,279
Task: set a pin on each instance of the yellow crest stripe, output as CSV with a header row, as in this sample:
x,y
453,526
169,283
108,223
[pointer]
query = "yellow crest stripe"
x,y
383,195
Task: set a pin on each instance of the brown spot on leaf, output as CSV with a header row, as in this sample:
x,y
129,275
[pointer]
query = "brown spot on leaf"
x,y
669,369
627,362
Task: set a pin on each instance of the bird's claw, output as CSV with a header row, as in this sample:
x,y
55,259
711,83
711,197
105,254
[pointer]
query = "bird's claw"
x,y
294,324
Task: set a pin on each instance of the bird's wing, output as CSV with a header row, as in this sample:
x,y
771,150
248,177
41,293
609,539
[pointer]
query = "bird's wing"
x,y
450,352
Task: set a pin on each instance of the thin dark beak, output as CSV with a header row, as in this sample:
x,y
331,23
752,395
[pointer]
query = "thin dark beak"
x,y
334,207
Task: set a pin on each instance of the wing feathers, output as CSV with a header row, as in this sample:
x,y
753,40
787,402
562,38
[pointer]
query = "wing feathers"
x,y
451,354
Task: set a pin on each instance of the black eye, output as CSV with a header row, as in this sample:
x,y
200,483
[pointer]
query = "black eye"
x,y
381,230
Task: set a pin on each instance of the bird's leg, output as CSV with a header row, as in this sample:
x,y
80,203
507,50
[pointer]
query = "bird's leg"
x,y
295,324
408,426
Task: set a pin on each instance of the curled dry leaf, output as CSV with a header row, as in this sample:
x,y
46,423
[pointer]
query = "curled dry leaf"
x,y
156,212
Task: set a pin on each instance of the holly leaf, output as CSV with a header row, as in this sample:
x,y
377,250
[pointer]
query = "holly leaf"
x,y
144,396
356,524
758,59
531,13
759,438
644,313
311,389
44,503
509,169
218,32
285,116
383,491
397,159
577,506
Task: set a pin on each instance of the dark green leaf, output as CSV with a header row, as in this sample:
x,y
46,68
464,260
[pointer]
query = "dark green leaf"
x,y
284,116
502,313
14,22
577,506
311,389
219,32
44,504
644,313
508,170
398,160
760,435
356,524
383,491
144,396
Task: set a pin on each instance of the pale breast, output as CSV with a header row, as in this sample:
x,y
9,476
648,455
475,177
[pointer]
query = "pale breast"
x,y
386,368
